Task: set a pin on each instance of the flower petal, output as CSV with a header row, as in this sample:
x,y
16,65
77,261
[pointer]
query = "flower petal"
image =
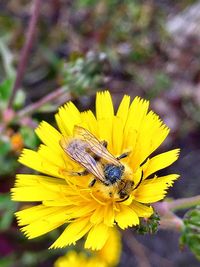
x,y
33,160
117,136
97,215
123,109
68,116
137,112
97,237
90,121
37,188
104,106
109,215
111,251
152,190
73,232
161,161
126,217
152,133
49,136
105,115
48,218
142,210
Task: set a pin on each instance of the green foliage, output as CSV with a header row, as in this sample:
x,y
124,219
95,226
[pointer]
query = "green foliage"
x,y
9,73
8,161
191,231
7,208
5,89
84,74
149,226
161,83
6,262
6,85
29,137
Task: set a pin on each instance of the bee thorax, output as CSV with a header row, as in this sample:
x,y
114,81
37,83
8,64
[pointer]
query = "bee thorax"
x,y
113,173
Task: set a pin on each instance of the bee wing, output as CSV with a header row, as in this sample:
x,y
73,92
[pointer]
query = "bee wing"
x,y
76,151
95,145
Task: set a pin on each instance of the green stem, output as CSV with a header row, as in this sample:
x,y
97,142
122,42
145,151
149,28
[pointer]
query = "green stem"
x,y
46,99
26,49
166,209
183,203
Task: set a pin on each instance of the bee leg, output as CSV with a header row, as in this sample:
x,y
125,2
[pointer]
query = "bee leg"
x,y
104,143
124,155
83,173
124,199
91,184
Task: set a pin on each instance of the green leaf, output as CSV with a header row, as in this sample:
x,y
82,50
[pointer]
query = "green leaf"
x,y
4,147
7,209
5,89
7,58
19,99
29,137
6,262
190,235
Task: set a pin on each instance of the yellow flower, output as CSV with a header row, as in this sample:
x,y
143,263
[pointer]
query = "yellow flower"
x,y
111,251
108,256
65,198
76,259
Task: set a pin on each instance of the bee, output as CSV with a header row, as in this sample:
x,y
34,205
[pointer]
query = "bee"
x,y
93,155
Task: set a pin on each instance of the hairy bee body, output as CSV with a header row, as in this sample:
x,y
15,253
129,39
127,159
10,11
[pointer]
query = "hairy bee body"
x,y
93,155
113,173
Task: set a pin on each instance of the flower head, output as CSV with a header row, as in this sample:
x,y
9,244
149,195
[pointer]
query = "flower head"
x,y
108,256
64,197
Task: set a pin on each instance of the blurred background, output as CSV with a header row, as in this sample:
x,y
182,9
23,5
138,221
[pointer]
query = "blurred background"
x,y
146,48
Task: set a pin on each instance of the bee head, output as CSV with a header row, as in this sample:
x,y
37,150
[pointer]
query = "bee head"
x,y
126,189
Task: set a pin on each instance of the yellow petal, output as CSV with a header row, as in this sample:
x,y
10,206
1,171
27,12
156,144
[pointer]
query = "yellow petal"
x,y
49,136
109,215
161,161
84,210
104,106
33,194
23,180
137,112
73,232
142,210
38,188
47,219
126,217
117,136
152,190
123,109
118,126
152,133
33,160
111,251
97,237
68,116
91,123
105,133
97,215
49,155
105,115
32,214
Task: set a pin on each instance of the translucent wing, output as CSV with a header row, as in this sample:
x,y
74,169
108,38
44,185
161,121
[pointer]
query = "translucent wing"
x,y
76,149
95,145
